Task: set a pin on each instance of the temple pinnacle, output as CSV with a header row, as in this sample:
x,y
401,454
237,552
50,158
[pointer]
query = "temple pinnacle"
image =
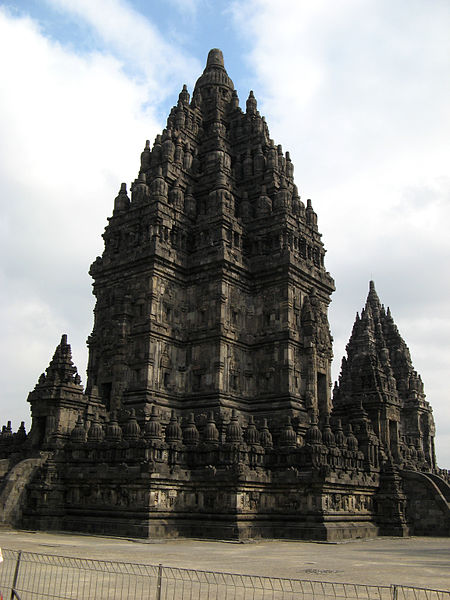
x,y
372,299
214,73
215,58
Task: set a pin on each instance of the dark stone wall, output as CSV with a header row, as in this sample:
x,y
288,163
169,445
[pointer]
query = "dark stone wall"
x,y
207,410
427,508
222,507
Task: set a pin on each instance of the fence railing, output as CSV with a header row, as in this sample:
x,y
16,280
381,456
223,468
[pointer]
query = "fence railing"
x,y
31,576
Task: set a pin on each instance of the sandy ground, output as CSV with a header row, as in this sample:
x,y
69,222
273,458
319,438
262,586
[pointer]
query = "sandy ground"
x,y
415,561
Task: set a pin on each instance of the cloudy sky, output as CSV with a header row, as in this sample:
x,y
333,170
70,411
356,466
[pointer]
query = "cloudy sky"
x,y
357,90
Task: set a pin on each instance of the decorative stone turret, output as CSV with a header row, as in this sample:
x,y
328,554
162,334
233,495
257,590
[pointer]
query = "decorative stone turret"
x,y
13,444
191,434
114,432
78,433
56,400
211,433
174,433
152,430
378,383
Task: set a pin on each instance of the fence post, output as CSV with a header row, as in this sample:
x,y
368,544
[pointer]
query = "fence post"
x,y
16,575
394,592
159,582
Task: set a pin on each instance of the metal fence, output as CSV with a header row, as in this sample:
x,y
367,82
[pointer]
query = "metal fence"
x,y
31,576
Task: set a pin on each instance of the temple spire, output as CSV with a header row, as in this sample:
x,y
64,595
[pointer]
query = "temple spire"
x,y
251,103
61,368
372,299
378,376
214,74
215,58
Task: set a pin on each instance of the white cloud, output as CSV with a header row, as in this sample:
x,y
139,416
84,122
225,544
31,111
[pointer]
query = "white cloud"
x,y
136,40
72,129
187,7
359,93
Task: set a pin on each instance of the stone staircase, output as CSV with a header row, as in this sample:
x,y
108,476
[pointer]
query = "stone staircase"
x,y
12,488
428,503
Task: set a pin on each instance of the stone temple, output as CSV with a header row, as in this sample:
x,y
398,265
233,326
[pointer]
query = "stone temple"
x,y
208,409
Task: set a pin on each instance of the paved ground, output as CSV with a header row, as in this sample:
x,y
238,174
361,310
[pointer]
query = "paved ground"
x,y
416,561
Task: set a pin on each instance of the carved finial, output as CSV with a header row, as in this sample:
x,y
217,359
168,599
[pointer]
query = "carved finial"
x,y
191,435
122,201
373,302
215,58
7,431
215,78
78,434
61,368
266,436
327,434
234,430
251,433
340,438
145,156
173,429
313,434
95,433
311,217
211,433
251,103
352,442
288,437
153,427
113,429
234,99
131,430
184,95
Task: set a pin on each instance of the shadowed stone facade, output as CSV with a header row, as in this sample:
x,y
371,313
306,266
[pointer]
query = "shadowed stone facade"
x,y
379,383
207,410
202,285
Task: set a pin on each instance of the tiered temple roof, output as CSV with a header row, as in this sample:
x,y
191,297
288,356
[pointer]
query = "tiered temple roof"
x,y
207,409
378,376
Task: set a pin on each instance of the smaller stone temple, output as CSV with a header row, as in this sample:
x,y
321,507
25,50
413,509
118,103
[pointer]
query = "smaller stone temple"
x,y
378,382
208,409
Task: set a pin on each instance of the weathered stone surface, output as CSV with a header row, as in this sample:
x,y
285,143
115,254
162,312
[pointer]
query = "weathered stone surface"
x,y
207,410
379,386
